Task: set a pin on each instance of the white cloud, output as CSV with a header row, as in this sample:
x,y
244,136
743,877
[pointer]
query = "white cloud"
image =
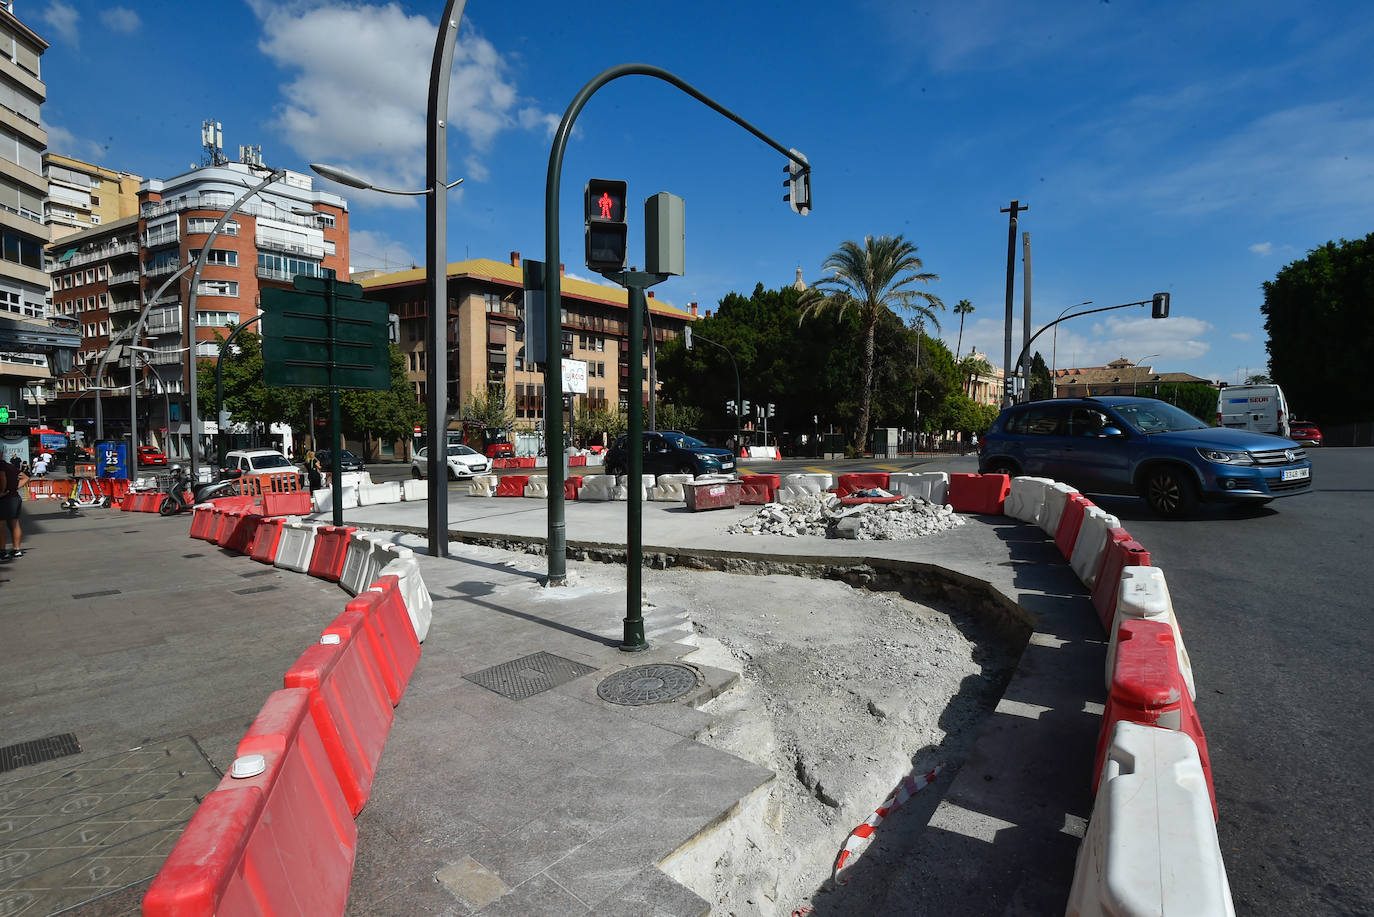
x,y
64,143
1242,335
120,19
359,96
369,250
63,20
1262,248
1077,344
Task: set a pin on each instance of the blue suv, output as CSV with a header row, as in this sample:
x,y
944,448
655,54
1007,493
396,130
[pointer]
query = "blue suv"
x,y
1125,445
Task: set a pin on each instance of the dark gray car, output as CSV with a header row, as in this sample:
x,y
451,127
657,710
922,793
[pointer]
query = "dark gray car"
x,y
671,452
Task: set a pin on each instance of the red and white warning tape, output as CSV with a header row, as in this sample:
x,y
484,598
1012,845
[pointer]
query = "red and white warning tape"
x,y
909,787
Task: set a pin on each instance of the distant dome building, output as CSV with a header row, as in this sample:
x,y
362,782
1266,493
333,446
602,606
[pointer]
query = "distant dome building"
x,y
800,284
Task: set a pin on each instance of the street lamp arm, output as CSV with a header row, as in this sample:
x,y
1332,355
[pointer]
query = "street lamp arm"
x,y
1063,318
345,177
739,404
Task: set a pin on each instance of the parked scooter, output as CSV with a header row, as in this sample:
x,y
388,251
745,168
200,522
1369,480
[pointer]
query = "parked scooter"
x,y
182,495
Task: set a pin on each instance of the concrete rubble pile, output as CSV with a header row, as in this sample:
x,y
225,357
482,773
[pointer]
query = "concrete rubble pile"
x,y
824,516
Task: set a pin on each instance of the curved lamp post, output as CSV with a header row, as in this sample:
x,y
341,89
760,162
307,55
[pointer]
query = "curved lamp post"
x,y
1054,348
1136,365
692,336
436,267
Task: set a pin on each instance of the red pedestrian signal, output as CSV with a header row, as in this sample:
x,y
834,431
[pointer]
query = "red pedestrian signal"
x,y
607,233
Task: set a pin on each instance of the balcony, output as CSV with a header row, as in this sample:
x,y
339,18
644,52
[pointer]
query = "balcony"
x,y
155,239
123,277
221,202
266,243
163,322
166,267
124,305
104,253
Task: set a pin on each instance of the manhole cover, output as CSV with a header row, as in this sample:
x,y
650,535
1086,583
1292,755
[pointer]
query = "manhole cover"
x,y
38,750
529,675
649,684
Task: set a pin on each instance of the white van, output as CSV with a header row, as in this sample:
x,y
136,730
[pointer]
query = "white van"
x,y
1259,408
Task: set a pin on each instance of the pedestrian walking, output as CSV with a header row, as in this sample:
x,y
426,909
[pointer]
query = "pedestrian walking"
x,y
312,471
12,479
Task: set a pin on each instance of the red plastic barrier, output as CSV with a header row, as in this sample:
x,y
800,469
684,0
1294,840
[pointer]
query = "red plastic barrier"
x,y
294,503
577,461
1070,522
1147,688
571,485
388,624
113,487
331,545
351,710
1119,554
236,527
855,501
849,483
759,488
278,843
512,485
203,522
263,545
979,493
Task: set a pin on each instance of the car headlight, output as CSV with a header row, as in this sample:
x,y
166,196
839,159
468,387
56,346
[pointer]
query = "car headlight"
x,y
1222,457
706,456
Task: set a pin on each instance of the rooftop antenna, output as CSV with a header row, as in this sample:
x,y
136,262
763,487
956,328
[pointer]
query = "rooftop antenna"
x,y
212,140
251,155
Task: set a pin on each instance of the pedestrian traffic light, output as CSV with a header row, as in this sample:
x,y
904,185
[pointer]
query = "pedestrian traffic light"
x,y
744,408
1161,306
606,231
798,183
730,406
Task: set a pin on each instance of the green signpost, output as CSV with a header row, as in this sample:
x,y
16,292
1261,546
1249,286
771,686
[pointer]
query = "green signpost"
x,y
323,334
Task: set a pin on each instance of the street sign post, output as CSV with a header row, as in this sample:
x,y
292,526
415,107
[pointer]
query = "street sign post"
x,y
323,334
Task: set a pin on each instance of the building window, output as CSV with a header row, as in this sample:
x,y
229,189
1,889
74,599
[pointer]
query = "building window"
x,y
217,288
205,224
20,249
100,272
216,318
412,361
493,301
325,219
218,256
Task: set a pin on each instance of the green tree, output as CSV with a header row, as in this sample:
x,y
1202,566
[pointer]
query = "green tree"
x,y
1042,387
489,407
970,368
962,308
1258,379
684,417
376,416
1197,398
1320,324
590,426
871,279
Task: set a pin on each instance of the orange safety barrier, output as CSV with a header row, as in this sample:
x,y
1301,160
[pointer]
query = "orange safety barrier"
x,y
279,840
48,489
203,521
849,483
979,493
577,461
1070,521
263,546
1148,688
351,710
393,636
512,485
293,503
236,528
571,485
1121,552
331,546
759,488
257,485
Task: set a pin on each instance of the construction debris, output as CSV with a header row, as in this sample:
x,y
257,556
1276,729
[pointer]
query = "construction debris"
x,y
823,515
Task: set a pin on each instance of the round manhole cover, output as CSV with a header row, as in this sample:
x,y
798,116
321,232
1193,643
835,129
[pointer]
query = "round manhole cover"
x,y
648,684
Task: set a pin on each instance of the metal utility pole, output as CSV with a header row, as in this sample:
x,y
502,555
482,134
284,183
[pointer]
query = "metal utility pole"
x,y
1007,369
1025,312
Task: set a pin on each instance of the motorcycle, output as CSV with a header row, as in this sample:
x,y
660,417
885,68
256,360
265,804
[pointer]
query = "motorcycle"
x,y
182,495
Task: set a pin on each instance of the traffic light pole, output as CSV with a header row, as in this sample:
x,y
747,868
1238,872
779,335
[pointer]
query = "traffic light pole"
x,y
1063,318
557,546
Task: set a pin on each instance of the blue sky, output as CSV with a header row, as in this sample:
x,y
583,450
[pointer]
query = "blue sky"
x,y
1190,147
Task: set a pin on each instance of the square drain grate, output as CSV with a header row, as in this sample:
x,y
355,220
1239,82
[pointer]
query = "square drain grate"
x,y
529,675
38,751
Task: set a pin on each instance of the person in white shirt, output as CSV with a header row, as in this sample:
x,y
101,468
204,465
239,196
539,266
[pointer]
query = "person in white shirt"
x,y
40,467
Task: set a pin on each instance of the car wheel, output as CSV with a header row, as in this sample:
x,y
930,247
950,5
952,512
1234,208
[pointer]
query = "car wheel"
x,y
1003,466
1169,492
452,475
686,468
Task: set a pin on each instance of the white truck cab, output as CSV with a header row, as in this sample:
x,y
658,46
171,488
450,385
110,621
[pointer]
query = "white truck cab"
x,y
1259,408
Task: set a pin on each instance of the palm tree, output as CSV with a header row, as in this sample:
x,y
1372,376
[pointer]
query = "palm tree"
x,y
961,308
970,368
869,278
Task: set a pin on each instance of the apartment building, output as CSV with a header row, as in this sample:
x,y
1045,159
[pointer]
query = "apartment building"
x,y
486,334
23,282
82,194
107,276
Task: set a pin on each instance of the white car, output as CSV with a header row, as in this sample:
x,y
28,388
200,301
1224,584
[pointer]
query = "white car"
x,y
463,462
258,461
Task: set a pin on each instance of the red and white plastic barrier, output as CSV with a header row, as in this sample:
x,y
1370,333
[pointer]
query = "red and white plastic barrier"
x,y
1056,494
1151,846
1144,595
267,539
794,486
296,546
364,557
1070,521
1025,498
419,603
1120,553
758,489
1091,543
512,485
931,486
985,494
388,622
850,483
275,837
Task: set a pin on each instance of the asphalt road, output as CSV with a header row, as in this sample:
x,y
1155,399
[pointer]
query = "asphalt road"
x,y
1274,610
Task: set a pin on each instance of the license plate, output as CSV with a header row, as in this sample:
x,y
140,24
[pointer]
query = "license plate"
x,y
727,464
1296,474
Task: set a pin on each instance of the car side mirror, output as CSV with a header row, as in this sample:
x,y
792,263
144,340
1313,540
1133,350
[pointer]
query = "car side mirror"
x,y
1113,432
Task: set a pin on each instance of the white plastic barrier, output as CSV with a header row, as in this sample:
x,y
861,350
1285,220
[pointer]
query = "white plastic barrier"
x,y
324,498
414,490
1026,497
419,603
597,487
794,486
364,557
1144,594
668,488
537,486
372,494
1088,548
1151,847
356,478
762,452
1055,496
932,486
295,547
622,487
483,485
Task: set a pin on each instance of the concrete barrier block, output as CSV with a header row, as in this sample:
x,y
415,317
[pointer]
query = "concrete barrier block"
x,y
537,486
1151,846
483,485
1056,494
1026,498
373,494
1144,594
668,488
597,487
413,489
794,486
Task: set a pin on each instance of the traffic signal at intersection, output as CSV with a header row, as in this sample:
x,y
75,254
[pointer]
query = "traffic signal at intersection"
x,y
798,183
607,233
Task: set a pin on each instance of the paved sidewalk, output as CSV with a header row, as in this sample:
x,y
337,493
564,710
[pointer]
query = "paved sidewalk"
x,y
558,802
